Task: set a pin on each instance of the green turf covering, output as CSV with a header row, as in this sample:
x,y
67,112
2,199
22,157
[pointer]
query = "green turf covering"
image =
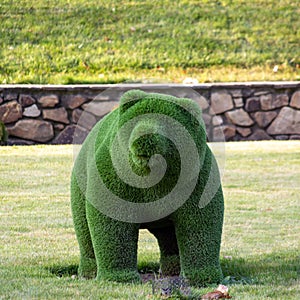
x,y
147,165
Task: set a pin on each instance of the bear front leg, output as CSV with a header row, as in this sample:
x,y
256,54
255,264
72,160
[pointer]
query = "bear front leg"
x,y
198,232
169,253
87,265
115,246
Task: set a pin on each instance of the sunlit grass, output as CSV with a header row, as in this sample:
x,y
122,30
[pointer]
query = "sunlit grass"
x,y
112,41
260,247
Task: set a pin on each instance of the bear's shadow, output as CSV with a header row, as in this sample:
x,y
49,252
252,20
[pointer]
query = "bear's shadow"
x,y
69,270
236,271
63,271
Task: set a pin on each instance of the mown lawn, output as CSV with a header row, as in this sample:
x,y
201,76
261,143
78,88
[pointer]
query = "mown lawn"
x,y
110,41
260,248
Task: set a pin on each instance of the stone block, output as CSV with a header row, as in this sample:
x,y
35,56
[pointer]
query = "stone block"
x,y
295,100
98,108
87,120
31,111
229,131
239,117
266,102
281,100
76,113
270,101
35,130
247,92
10,112
252,104
221,132
56,114
259,135
287,122
236,93
238,102
74,101
59,127
221,101
10,96
48,101
217,120
206,118
26,100
71,134
263,119
202,102
243,131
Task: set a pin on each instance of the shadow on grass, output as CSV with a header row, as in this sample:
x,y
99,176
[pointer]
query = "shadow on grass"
x,y
236,270
259,269
148,267
63,271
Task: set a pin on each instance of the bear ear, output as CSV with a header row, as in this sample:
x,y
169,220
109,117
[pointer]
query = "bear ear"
x,y
191,106
130,98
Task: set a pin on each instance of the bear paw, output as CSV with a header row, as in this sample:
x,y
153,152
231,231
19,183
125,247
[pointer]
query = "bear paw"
x,y
87,268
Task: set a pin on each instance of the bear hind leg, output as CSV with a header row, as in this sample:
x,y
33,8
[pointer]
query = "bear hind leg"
x,y
169,253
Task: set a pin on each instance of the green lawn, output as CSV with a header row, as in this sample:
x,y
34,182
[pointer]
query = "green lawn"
x,y
112,41
260,248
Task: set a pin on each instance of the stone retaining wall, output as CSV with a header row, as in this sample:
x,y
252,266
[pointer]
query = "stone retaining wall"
x,y
49,114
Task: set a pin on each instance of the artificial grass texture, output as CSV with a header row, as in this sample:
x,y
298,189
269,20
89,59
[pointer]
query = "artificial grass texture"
x,y
189,237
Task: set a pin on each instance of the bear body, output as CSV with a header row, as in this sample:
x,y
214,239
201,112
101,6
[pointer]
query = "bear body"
x,y
147,165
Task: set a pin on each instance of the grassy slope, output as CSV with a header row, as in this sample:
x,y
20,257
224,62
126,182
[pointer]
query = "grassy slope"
x,y
260,243
111,41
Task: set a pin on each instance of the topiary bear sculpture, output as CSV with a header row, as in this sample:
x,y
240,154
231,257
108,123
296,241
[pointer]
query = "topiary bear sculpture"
x,y
147,165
